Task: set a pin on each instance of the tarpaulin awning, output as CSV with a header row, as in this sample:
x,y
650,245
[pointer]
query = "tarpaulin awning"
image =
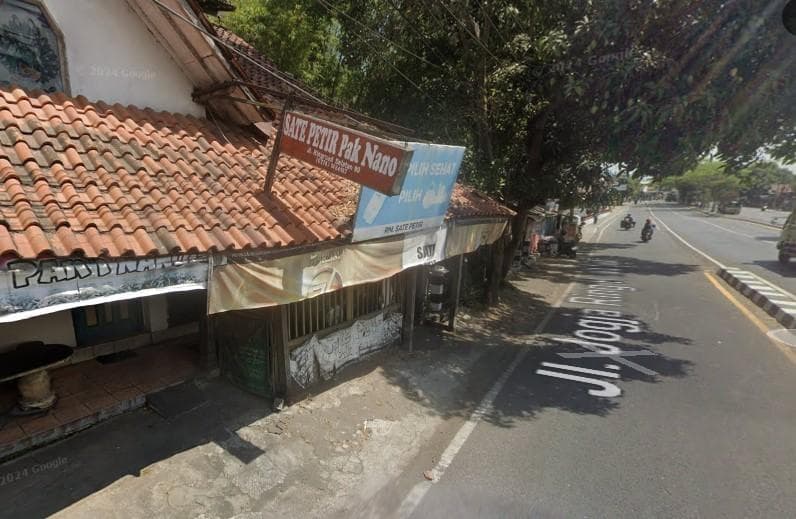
x,y
248,282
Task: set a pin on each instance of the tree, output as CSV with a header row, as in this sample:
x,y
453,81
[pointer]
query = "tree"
x,y
756,180
296,35
537,91
707,182
545,93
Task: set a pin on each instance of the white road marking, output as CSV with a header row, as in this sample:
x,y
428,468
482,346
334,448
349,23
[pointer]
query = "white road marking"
x,y
734,271
419,491
704,255
588,371
771,286
783,303
608,390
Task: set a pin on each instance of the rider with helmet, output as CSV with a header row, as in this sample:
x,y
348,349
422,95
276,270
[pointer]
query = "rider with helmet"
x,y
647,230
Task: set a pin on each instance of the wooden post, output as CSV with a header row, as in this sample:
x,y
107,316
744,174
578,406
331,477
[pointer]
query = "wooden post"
x,y
208,354
456,285
269,177
208,351
410,293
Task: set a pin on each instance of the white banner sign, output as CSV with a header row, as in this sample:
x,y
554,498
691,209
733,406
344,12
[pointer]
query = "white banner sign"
x,y
35,287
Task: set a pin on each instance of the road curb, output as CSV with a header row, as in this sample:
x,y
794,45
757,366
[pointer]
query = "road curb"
x,y
777,304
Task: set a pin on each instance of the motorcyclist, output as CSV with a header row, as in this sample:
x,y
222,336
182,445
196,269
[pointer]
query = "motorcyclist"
x,y
648,227
629,218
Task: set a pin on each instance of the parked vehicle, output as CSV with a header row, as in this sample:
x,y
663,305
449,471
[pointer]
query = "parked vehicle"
x,y
787,239
733,207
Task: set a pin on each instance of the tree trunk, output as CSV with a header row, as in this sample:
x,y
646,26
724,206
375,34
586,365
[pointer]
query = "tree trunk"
x,y
533,168
518,226
495,272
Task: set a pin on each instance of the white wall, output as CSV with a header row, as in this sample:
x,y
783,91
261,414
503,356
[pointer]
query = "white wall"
x,y
53,328
111,56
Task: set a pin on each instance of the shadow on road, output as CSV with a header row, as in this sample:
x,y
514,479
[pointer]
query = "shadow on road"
x,y
496,342
637,266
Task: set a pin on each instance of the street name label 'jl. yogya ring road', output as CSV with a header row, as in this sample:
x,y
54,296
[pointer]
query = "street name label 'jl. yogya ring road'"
x,y
601,328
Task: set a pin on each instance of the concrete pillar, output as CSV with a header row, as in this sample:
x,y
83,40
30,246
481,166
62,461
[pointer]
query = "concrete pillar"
x,y
156,310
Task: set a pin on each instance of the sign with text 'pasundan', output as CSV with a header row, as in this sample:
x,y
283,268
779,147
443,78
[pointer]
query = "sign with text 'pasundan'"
x,y
359,157
423,201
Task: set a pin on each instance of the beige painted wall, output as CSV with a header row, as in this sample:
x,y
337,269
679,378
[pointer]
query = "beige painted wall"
x,y
53,328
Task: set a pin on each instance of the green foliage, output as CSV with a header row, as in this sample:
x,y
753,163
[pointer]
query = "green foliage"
x,y
295,35
544,94
756,180
707,182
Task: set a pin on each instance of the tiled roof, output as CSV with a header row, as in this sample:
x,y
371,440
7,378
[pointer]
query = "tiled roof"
x,y
265,73
93,180
254,73
467,202
81,178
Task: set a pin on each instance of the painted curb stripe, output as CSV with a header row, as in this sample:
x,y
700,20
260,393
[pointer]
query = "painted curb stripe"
x,y
761,294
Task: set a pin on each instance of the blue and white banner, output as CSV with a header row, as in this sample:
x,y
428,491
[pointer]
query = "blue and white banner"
x,y
423,201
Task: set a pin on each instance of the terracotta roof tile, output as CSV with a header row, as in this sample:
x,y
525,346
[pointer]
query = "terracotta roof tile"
x,y
467,202
93,180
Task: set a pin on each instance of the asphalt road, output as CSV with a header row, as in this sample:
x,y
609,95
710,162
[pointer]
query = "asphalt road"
x,y
729,241
699,422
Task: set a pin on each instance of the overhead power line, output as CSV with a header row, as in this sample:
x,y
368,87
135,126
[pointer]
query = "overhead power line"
x,y
472,35
231,48
254,62
332,9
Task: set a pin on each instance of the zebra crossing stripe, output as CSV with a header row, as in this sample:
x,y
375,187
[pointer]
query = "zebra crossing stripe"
x,y
782,303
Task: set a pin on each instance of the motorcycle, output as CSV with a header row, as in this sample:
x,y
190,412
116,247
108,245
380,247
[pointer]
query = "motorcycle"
x,y
627,223
646,235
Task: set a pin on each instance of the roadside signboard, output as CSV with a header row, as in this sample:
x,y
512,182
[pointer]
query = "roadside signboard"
x,y
29,288
367,160
423,201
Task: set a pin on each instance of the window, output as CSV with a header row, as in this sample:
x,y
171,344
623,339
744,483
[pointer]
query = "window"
x,y
329,310
30,52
